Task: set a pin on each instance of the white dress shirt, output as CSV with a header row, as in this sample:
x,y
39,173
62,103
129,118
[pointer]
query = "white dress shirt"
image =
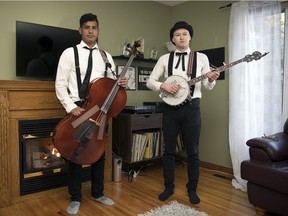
x,y
66,79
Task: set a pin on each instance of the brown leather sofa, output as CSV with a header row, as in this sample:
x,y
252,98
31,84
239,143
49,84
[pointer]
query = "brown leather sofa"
x,y
267,172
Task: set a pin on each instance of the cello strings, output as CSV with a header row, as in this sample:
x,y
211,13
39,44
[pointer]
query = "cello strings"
x,y
115,88
110,98
83,130
88,129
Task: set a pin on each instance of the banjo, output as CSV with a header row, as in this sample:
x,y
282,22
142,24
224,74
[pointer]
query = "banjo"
x,y
184,91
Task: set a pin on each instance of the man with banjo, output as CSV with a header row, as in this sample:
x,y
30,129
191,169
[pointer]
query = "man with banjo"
x,y
181,117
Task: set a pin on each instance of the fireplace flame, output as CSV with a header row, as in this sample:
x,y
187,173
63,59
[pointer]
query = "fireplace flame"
x,y
55,152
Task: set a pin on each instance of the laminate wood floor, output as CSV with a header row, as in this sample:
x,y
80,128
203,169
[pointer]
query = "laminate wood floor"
x,y
218,197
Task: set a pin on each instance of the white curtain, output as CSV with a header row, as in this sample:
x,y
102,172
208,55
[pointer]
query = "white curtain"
x,y
255,88
285,77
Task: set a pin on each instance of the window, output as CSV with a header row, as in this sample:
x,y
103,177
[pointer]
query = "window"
x,y
284,34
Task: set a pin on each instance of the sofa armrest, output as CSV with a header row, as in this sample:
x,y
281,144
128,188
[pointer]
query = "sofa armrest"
x,y
275,146
258,154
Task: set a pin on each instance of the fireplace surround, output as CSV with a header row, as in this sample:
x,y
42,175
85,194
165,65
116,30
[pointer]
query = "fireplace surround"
x,y
25,101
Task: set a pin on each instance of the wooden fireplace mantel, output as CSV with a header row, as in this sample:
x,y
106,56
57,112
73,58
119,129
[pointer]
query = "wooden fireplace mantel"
x,y
27,100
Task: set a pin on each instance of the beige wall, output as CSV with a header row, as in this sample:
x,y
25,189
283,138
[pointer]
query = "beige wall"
x,y
121,21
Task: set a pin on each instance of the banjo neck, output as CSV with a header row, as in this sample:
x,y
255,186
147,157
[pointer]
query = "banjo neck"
x,y
184,92
219,69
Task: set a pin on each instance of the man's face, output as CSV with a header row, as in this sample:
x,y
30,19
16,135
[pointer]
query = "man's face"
x,y
181,38
89,32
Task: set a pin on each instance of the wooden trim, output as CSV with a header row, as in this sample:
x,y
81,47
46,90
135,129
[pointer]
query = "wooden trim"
x,y
31,85
208,165
5,152
211,166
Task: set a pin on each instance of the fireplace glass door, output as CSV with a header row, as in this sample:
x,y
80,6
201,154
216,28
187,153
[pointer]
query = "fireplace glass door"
x,y
41,165
40,154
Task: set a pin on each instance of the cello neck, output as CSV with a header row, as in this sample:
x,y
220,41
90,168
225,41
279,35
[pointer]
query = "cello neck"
x,y
107,103
128,64
133,53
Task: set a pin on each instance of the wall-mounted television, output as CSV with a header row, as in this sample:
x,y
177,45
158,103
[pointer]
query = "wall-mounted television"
x,y
216,58
39,47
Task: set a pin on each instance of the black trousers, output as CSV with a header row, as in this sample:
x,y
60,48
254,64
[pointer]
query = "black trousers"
x,y
185,119
75,179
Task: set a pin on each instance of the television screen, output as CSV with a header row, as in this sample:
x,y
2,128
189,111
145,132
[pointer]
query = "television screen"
x,y
216,58
39,47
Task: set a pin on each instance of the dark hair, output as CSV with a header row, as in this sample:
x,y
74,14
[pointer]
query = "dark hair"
x,y
88,17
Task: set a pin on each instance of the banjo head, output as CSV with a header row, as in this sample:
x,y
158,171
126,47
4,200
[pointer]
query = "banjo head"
x,y
181,95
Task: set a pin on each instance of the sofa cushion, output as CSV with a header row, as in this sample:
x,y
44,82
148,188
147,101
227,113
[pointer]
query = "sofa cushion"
x,y
275,145
270,175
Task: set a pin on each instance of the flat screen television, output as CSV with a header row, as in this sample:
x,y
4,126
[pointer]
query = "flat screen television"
x,y
39,47
216,58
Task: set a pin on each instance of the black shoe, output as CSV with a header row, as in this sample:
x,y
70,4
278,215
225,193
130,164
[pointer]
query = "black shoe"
x,y
193,198
166,194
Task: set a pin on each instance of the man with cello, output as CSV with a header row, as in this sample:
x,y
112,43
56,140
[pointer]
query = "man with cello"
x,y
95,63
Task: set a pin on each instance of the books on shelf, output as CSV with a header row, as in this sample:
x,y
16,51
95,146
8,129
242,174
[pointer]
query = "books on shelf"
x,y
145,145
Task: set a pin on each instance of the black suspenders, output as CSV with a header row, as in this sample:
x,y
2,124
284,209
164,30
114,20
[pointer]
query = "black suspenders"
x,y
76,56
77,67
170,63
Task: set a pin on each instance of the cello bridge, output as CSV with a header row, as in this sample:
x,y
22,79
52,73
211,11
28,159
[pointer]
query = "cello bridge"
x,y
92,120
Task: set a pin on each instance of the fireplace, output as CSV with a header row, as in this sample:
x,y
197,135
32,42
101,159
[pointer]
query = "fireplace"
x,y
41,165
22,100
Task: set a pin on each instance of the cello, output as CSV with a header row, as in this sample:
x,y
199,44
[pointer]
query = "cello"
x,y
83,139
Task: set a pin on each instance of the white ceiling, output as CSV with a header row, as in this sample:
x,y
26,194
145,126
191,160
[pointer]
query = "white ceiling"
x,y
171,3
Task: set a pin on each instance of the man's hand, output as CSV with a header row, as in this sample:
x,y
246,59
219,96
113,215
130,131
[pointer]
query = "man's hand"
x,y
123,82
213,75
171,88
77,111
